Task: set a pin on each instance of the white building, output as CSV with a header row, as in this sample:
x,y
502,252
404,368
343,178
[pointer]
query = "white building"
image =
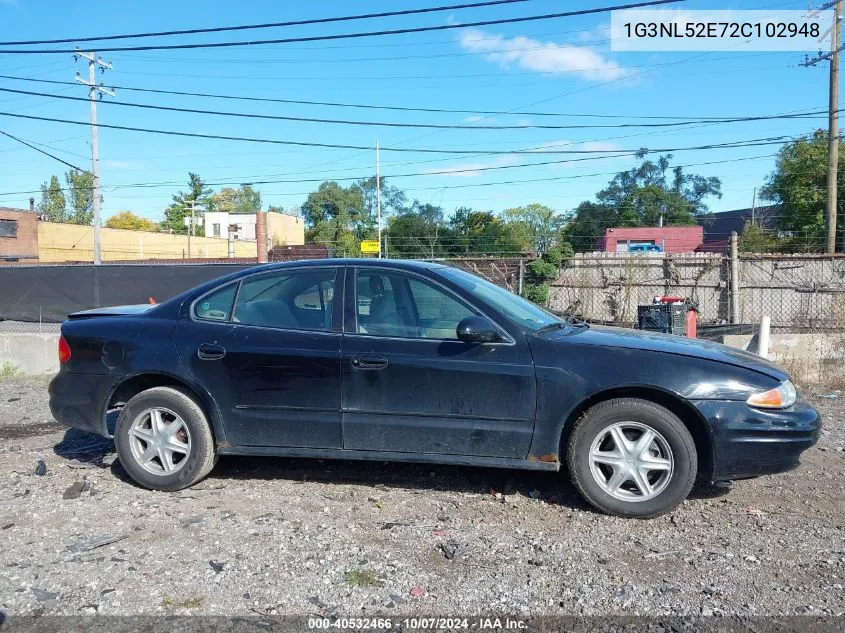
x,y
217,225
281,228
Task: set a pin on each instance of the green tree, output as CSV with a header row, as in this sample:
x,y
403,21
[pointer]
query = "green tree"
x,y
130,221
393,200
332,214
53,202
643,196
174,215
478,233
418,232
80,184
755,239
541,226
243,199
798,184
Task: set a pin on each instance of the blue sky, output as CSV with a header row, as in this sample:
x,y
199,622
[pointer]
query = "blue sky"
x,y
562,65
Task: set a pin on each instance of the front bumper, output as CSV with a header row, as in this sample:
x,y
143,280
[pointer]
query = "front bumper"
x,y
78,401
749,442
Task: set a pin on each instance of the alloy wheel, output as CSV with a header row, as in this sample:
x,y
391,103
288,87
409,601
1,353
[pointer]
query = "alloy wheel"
x,y
160,441
631,461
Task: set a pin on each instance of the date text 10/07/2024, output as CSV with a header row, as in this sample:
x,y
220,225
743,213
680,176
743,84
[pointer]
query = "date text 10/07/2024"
x,y
418,623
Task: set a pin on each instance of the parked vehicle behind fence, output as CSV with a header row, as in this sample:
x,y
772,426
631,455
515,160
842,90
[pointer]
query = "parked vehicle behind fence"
x,y
420,362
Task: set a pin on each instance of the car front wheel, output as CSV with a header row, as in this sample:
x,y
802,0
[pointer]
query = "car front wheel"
x,y
632,457
163,439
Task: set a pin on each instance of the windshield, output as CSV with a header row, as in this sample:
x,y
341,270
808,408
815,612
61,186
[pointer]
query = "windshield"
x,y
529,315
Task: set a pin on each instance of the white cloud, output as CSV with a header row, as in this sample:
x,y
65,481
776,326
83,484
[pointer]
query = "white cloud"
x,y
121,164
599,34
541,57
468,170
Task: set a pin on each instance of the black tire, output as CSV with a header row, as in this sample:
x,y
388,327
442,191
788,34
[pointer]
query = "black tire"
x,y
595,423
191,468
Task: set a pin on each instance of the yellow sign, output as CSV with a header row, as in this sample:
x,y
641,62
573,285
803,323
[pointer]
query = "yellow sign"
x,y
369,247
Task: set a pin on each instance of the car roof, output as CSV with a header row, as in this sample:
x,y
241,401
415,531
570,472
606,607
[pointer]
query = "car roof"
x,y
407,264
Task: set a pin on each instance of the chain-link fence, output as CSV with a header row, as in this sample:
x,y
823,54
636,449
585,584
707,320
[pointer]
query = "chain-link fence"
x,y
798,292
608,287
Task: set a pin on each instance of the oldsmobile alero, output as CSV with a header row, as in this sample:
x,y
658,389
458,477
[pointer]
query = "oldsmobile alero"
x,y
420,362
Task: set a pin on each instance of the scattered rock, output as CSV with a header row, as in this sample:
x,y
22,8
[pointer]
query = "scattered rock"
x,y
217,567
87,545
191,520
41,468
44,596
451,549
76,489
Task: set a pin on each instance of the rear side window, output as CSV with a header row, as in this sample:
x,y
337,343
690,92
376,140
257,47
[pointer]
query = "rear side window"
x,y
288,299
218,305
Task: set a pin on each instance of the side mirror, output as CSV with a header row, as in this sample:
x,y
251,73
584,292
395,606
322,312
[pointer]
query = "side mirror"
x,y
477,329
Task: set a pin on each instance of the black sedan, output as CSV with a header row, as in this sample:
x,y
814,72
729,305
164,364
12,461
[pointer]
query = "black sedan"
x,y
420,362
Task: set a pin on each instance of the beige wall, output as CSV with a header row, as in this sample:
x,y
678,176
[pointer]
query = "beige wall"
x,y
74,243
285,230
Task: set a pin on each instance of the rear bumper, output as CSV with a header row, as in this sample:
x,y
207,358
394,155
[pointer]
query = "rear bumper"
x,y
749,442
78,400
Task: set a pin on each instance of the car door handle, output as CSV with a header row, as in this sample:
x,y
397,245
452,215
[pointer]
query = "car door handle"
x,y
369,361
211,352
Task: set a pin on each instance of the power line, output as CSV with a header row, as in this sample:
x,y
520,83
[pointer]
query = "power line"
x,y
41,151
254,181
267,25
426,150
372,106
436,126
342,36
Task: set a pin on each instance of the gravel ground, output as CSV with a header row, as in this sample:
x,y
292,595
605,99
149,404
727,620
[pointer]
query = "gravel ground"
x,y
268,536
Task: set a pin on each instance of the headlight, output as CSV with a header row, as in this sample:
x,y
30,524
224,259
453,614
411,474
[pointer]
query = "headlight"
x,y
778,398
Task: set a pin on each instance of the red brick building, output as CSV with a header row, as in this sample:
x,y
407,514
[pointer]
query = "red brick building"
x,y
672,239
18,235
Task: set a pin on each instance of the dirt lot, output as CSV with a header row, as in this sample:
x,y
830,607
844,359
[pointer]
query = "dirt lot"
x,y
356,538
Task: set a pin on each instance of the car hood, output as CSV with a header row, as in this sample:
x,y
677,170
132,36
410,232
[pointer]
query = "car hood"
x,y
113,311
604,336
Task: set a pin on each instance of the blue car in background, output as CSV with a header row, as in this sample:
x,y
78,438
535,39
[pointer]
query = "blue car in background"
x,y
645,248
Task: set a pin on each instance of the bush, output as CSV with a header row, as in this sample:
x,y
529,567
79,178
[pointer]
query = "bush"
x,y
538,293
542,270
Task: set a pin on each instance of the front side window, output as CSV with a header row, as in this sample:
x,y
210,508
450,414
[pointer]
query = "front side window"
x,y
526,314
399,305
297,300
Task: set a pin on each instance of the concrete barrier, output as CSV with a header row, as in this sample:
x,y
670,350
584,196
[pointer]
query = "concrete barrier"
x,y
812,358
30,353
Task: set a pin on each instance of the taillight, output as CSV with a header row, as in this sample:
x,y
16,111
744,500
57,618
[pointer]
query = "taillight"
x,y
64,351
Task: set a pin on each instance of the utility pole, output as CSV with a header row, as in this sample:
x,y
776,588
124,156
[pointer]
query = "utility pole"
x,y
833,131
753,206
378,199
95,92
833,118
193,222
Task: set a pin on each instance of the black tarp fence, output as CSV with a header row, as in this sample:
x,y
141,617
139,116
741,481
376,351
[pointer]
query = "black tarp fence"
x,y
49,293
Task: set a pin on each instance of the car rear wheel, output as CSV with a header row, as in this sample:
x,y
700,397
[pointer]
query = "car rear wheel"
x,y
163,439
632,457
